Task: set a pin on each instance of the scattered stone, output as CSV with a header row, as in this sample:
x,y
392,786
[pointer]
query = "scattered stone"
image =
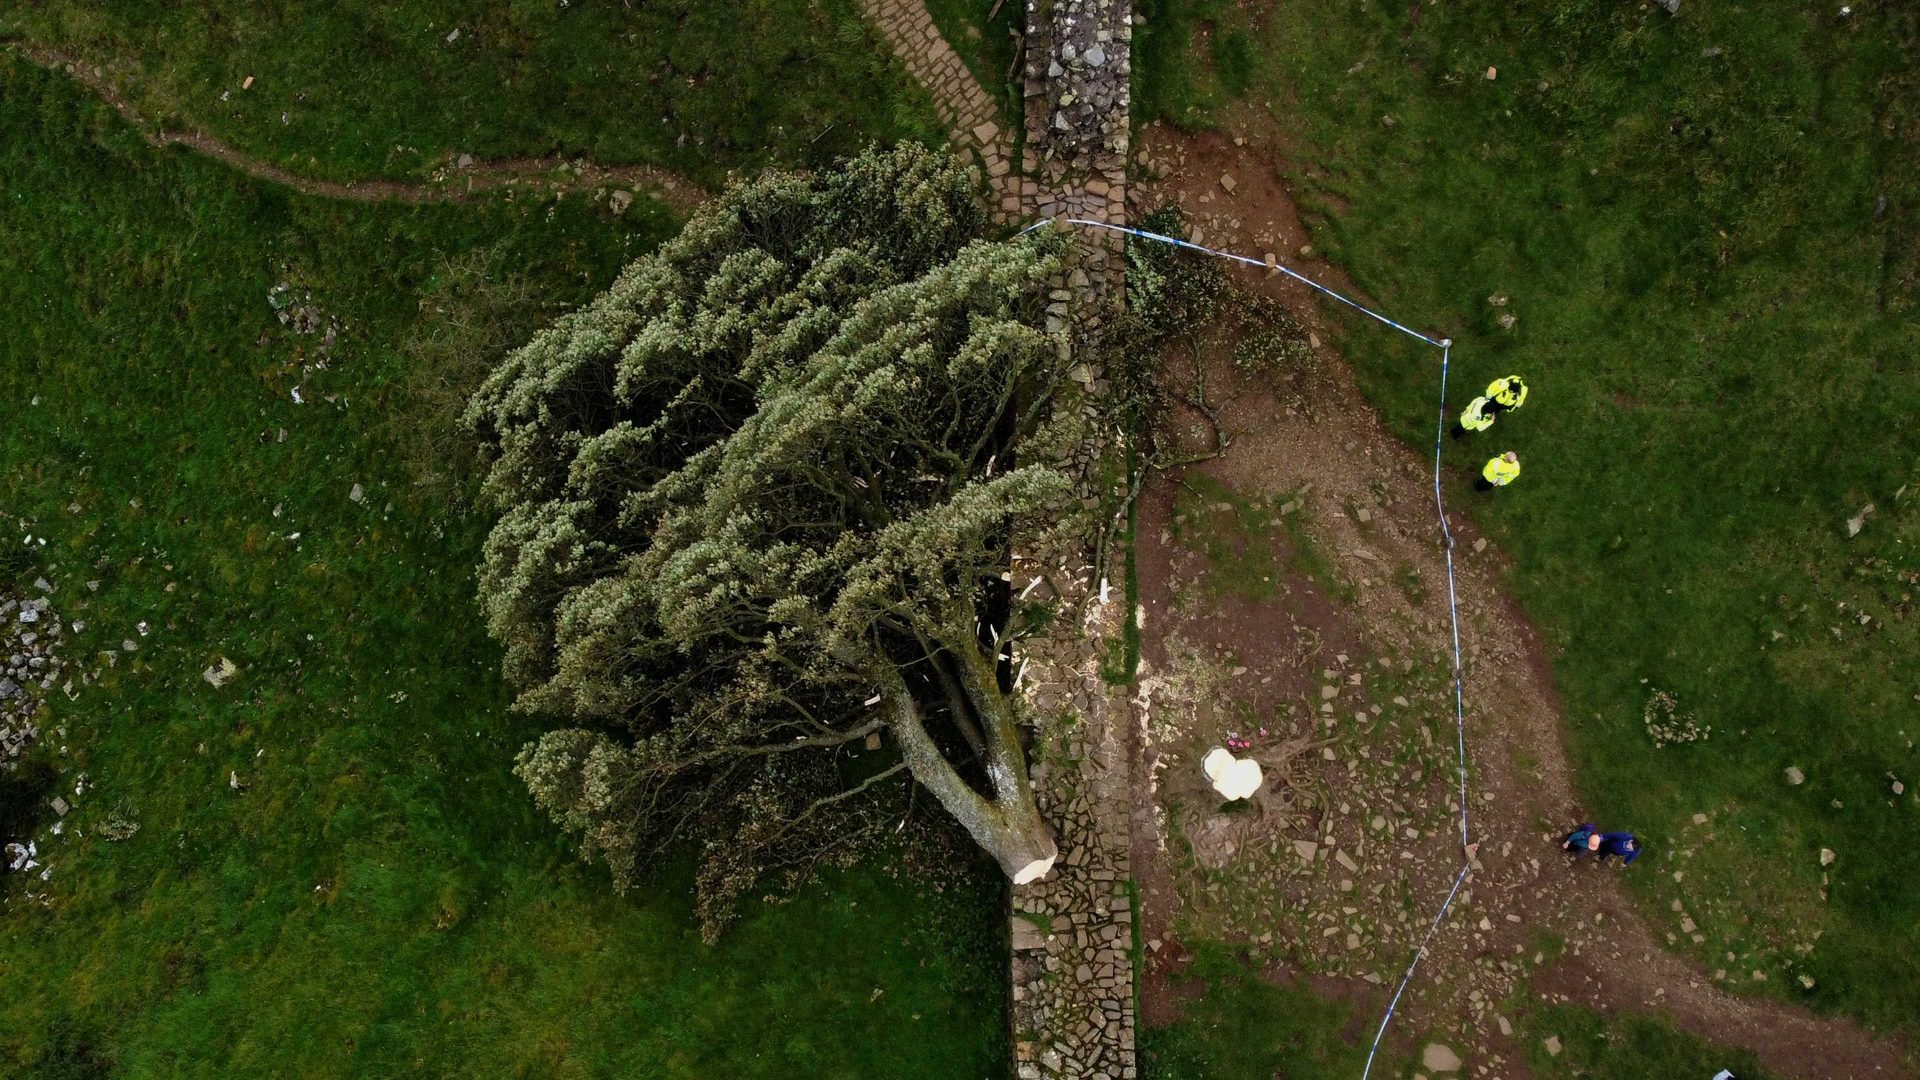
x,y
465,161
1859,520
60,806
1506,1026
1795,777
1492,73
1440,1058
1307,850
619,200
358,494
1827,856
220,674
1552,1043
1228,183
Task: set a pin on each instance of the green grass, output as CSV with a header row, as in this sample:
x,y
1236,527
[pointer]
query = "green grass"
x,y
1232,532
1625,1047
1190,58
1247,1028
986,46
357,88
383,900
1706,227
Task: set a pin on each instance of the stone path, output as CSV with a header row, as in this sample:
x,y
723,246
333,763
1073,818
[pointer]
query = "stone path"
x,y
968,111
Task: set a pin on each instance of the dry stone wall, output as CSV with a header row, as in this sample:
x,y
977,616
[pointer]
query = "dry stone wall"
x,y
1072,931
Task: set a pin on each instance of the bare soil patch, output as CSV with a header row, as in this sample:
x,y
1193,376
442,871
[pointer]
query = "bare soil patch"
x,y
1342,660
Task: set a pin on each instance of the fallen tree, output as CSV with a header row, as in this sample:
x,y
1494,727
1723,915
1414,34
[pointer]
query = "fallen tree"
x,y
754,501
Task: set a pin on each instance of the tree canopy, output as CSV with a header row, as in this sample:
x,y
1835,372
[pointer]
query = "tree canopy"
x,y
753,504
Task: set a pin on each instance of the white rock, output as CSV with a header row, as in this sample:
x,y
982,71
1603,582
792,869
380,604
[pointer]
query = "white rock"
x,y
1827,856
1795,777
221,673
1859,520
1439,1058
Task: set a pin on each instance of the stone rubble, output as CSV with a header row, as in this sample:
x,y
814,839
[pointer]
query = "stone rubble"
x,y
30,637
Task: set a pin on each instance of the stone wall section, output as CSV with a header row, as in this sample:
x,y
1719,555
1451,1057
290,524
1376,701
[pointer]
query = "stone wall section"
x,y
969,112
1078,97
1072,931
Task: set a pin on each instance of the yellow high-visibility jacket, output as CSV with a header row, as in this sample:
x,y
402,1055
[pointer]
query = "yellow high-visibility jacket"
x,y
1500,472
1510,392
1476,418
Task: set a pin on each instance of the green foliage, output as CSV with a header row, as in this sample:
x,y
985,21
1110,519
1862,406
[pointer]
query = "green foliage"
x,y
473,311
1705,226
400,88
1182,301
383,899
746,487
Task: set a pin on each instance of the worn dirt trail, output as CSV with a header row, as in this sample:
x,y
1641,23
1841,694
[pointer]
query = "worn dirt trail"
x,y
1369,499
451,184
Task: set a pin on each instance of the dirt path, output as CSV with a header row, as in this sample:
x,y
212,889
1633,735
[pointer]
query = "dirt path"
x,y
1341,664
453,183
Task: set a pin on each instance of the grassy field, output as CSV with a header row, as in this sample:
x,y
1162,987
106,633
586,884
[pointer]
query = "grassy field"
x,y
1242,1026
356,89
381,899
1704,227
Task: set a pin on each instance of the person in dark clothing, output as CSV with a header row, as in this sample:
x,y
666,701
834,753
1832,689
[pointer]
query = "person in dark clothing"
x,y
1584,838
1624,844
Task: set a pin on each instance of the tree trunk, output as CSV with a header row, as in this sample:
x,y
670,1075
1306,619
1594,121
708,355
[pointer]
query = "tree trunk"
x,y
1007,824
